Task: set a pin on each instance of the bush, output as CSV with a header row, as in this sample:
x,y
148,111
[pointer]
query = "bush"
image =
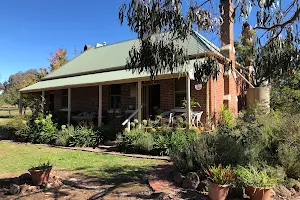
x,y
64,135
85,137
42,130
144,142
289,158
19,126
108,132
199,153
252,176
155,142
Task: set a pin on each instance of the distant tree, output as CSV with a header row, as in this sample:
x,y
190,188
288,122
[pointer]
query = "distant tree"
x,y
58,59
18,81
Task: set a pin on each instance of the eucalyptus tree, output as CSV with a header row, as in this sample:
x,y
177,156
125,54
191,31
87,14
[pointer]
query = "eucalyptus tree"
x,y
178,18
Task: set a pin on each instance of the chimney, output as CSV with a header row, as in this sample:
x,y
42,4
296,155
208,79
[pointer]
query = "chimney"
x,y
227,49
86,47
227,32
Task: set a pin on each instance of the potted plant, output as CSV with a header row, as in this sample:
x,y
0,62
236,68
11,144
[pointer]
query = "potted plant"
x,y
194,104
40,173
258,183
220,179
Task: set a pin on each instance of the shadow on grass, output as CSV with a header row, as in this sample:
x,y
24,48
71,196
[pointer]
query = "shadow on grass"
x,y
120,182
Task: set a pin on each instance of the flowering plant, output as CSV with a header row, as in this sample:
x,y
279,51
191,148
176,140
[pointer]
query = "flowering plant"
x,y
221,175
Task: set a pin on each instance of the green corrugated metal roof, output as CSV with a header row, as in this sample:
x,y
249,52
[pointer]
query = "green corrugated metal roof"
x,y
90,79
106,64
115,55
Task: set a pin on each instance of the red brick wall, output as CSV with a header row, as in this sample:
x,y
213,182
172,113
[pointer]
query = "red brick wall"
x,y
200,97
85,99
167,94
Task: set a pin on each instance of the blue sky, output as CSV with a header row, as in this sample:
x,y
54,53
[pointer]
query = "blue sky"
x,y
31,29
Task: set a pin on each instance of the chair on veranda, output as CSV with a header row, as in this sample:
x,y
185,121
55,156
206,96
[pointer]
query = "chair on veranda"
x,y
196,118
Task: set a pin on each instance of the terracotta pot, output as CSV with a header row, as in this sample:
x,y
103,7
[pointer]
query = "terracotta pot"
x,y
217,192
259,193
40,176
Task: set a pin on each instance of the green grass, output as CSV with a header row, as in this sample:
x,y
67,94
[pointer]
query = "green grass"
x,y
13,112
4,121
20,157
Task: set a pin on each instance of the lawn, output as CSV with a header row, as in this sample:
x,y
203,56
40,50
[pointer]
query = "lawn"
x,y
94,176
4,112
4,121
20,157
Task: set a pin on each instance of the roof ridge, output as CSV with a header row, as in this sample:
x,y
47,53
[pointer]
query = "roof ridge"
x,y
209,45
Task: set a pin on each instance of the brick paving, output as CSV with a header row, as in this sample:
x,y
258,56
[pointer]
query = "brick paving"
x,y
160,182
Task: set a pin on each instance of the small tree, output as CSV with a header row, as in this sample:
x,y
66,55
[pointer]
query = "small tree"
x,y
58,60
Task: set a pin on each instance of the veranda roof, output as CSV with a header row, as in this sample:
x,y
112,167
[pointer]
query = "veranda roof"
x,y
103,64
110,77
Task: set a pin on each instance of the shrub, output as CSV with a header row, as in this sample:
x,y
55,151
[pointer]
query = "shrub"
x,y
252,176
85,137
227,117
155,141
107,132
144,142
64,135
197,153
42,130
289,158
19,126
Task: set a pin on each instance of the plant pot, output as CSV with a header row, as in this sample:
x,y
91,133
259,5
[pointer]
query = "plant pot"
x,y
227,73
259,193
40,176
217,192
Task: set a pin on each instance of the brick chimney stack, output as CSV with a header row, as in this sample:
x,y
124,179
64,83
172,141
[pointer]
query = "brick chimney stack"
x,y
227,49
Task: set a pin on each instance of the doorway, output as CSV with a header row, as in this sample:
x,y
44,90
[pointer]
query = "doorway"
x,y
151,101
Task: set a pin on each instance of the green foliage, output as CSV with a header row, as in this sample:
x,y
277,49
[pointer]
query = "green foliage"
x,y
42,166
289,159
156,141
194,104
276,60
206,69
2,102
199,153
285,94
42,130
144,143
252,176
19,126
227,116
18,81
221,175
85,137
107,132
158,55
245,48
64,135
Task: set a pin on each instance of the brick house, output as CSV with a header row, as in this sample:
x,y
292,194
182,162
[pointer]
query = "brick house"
x,y
96,82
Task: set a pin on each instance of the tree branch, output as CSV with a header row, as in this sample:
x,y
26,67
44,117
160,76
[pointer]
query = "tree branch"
x,y
289,21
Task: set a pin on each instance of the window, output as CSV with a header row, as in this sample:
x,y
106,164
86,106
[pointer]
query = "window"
x,y
64,99
115,96
180,91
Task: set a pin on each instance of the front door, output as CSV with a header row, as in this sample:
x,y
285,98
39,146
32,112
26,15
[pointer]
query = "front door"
x,y
151,101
